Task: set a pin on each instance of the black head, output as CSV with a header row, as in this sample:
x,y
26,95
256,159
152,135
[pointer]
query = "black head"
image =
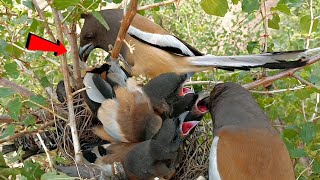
x,y
232,105
95,35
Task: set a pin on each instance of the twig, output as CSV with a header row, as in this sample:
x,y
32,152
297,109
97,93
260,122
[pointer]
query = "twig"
x,y
156,5
306,167
311,25
72,38
79,90
279,90
49,110
45,150
24,132
65,72
316,108
266,35
46,24
15,87
282,74
201,82
124,28
305,81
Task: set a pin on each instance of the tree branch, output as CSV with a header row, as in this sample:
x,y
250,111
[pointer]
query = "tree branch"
x,y
65,72
124,28
46,25
15,87
282,74
156,5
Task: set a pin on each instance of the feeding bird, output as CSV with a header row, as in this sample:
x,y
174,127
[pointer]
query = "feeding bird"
x,y
156,51
152,158
245,144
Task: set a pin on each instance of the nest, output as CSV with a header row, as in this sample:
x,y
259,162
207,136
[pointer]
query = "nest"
x,y
193,161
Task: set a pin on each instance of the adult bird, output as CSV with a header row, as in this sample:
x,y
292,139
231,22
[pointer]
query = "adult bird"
x,y
155,51
245,144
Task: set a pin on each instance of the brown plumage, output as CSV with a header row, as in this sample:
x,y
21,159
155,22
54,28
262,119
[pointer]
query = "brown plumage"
x,y
155,51
245,146
129,117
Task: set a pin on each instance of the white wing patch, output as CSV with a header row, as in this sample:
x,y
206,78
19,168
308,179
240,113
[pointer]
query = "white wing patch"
x,y
160,40
109,117
92,91
213,158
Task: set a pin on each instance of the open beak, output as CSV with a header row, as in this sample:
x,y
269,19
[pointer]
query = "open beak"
x,y
186,127
84,51
200,106
184,90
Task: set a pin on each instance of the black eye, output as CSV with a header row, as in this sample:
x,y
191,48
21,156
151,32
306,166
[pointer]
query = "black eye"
x,y
89,36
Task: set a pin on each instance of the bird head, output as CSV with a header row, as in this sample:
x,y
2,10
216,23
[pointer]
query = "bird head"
x,y
95,35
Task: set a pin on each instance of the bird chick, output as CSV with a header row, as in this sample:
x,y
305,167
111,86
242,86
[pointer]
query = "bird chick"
x,y
129,117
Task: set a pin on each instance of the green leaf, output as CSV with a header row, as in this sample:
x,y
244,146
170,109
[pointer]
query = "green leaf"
x,y
316,167
8,2
31,170
100,18
28,4
29,120
290,133
14,107
235,1
63,4
305,22
13,51
297,153
45,82
5,92
55,175
274,22
117,1
308,132
251,45
9,131
250,5
282,7
2,161
3,46
38,99
12,70
215,7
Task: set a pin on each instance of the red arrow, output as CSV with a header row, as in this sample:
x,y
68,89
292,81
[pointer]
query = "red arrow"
x,y
37,43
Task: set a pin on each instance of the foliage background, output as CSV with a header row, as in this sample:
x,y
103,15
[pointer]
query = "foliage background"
x,y
240,31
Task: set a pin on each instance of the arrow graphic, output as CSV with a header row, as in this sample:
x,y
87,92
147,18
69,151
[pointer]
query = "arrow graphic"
x,y
37,43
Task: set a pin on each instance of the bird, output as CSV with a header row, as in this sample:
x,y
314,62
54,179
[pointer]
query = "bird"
x,y
167,94
148,159
129,117
245,144
155,51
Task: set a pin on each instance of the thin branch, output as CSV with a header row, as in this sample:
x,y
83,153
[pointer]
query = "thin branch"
x,y
201,82
305,81
279,90
156,5
72,38
266,34
124,28
46,24
24,132
282,74
45,150
311,25
15,87
316,108
65,72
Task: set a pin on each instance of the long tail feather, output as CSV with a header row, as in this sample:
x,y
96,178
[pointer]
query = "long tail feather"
x,y
275,60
